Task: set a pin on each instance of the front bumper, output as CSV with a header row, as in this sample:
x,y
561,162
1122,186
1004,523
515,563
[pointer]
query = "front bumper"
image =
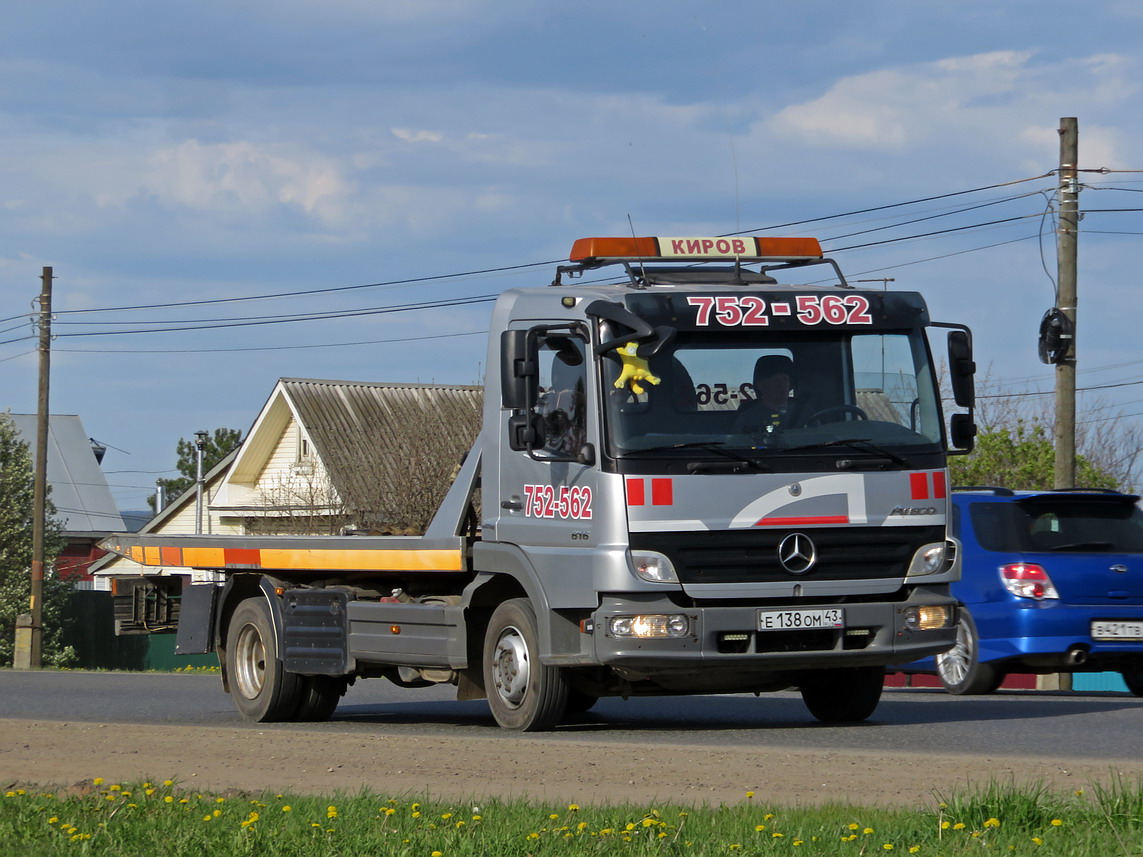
x,y
726,638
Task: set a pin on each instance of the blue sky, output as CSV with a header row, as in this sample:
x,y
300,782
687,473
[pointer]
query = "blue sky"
x,y
155,153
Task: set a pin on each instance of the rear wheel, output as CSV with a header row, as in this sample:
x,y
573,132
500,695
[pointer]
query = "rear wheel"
x,y
960,669
261,687
320,695
523,693
842,695
1134,680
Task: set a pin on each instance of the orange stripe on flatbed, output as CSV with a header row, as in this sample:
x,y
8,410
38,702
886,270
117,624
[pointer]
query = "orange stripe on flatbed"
x,y
204,557
365,560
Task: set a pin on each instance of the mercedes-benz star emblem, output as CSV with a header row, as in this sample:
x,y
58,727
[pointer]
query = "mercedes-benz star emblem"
x,y
797,553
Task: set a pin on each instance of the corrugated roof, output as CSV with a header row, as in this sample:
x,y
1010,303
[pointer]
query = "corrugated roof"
x,y
390,449
79,488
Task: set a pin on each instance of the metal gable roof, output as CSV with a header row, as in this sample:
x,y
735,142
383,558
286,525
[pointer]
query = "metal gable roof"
x,y
79,487
390,449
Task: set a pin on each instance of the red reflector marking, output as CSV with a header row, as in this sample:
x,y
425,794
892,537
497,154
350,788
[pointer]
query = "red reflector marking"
x,y
919,485
802,522
171,556
243,556
636,495
939,488
662,492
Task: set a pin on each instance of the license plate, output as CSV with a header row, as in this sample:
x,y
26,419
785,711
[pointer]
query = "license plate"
x,y
800,620
1117,630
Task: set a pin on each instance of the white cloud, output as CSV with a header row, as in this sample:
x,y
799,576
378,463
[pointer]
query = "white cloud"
x,y
894,108
410,136
249,177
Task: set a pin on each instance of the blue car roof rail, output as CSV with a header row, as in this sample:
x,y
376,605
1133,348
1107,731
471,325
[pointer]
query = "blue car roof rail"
x,y
990,489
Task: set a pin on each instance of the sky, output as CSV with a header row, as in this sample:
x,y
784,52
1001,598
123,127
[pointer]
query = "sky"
x,y
385,154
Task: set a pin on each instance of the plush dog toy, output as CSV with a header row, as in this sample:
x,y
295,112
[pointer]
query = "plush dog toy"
x,y
635,370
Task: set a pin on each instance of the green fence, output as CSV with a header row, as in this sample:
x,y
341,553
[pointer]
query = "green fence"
x,y
89,627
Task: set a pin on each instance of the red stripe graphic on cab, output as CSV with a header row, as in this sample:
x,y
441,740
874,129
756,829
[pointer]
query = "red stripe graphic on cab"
x,y
662,492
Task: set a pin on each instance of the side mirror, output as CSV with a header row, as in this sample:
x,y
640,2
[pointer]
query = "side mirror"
x,y
517,370
962,368
963,432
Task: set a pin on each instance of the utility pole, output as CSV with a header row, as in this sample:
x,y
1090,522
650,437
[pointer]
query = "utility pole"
x,y
199,446
40,473
1066,252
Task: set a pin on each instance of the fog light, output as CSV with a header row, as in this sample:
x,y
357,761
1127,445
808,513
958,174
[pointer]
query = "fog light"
x,y
673,625
928,617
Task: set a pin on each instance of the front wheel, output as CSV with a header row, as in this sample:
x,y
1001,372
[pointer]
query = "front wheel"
x,y
842,695
262,689
523,694
960,669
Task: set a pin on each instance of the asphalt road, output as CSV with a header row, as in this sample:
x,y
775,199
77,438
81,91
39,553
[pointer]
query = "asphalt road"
x,y
1092,726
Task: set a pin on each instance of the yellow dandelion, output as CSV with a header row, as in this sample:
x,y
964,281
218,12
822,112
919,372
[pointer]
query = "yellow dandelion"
x,y
168,783
888,846
760,827
416,815
115,788
287,808
913,849
854,826
777,835
573,807
1037,840
1056,822
992,822
958,826
750,794
533,835
554,816
867,830
446,815
98,781
437,854
53,820
768,816
168,799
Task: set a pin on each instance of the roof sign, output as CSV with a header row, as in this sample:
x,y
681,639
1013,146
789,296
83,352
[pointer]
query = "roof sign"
x,y
744,248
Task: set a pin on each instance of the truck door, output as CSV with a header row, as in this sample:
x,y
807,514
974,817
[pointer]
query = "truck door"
x,y
547,489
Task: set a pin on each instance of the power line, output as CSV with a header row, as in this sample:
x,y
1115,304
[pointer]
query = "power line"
x,y
307,317
322,291
262,348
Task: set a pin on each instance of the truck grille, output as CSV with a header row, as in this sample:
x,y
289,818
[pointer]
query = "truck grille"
x,y
741,556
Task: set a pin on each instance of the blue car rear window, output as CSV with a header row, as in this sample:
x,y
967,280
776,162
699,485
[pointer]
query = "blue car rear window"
x,y
1040,525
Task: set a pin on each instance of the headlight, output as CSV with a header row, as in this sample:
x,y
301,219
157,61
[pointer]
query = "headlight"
x,y
653,625
653,567
932,558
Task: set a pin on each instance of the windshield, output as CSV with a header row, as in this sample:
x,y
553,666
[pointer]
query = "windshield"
x,y
779,395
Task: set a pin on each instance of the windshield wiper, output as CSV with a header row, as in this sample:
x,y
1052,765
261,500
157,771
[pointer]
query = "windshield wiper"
x,y
716,446
862,444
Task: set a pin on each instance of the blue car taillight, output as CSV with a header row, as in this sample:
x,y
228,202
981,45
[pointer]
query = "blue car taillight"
x,y
1028,580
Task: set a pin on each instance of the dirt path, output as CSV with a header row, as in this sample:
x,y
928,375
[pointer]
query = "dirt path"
x,y
216,758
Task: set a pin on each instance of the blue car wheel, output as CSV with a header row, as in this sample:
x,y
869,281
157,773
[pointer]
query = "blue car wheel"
x,y
960,670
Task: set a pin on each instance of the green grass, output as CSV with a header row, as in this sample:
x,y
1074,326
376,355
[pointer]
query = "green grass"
x,y
168,820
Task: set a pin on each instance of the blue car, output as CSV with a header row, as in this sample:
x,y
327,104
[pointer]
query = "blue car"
x,y
1051,582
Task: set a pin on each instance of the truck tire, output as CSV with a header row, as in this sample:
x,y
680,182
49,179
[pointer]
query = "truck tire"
x,y
262,689
960,669
523,694
320,695
842,695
